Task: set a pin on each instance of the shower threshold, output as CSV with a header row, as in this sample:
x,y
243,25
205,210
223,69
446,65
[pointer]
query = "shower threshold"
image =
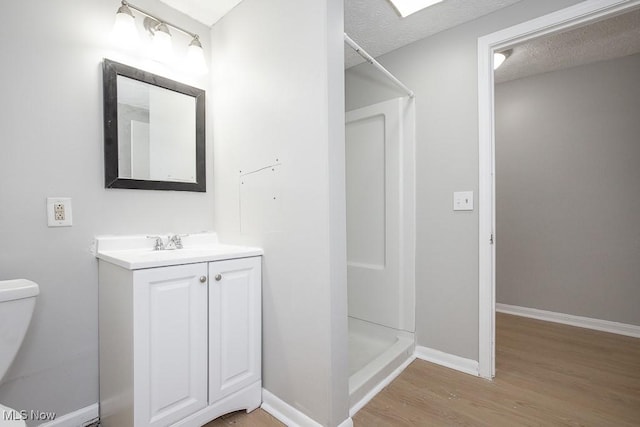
x,y
377,354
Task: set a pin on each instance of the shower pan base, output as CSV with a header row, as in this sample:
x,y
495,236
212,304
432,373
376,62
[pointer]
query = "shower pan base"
x,y
377,354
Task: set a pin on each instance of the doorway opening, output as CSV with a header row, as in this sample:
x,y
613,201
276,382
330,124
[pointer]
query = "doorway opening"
x,y
563,20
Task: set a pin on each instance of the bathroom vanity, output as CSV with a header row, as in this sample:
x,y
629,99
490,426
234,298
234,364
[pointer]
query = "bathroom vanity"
x,y
180,330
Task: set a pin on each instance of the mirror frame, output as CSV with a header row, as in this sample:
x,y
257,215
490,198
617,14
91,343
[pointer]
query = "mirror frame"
x,y
110,72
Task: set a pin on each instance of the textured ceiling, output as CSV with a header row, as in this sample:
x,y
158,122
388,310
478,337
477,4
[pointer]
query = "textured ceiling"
x,y
373,24
378,29
607,39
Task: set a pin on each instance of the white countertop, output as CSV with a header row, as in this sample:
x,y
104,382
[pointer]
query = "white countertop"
x,y
137,251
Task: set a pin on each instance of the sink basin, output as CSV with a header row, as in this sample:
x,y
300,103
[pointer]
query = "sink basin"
x,y
136,252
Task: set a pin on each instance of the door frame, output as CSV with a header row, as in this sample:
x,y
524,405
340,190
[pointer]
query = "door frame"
x,y
573,16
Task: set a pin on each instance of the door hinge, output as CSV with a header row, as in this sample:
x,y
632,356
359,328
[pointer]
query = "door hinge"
x,y
491,239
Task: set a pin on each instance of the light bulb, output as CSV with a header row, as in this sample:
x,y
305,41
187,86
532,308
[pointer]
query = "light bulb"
x,y
498,59
124,31
161,43
195,57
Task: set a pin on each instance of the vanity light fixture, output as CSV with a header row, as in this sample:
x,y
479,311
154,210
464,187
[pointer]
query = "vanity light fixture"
x,y
500,57
124,28
125,33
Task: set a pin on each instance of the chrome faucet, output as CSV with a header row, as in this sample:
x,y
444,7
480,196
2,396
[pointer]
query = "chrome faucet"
x,y
177,240
174,241
159,244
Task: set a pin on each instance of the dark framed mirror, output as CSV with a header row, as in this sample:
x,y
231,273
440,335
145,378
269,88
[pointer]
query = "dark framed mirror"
x,y
154,131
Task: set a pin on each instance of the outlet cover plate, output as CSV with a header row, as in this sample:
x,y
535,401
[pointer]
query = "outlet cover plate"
x,y
59,212
463,201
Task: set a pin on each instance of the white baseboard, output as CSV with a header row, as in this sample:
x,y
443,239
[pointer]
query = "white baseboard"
x,y
569,319
289,415
271,404
75,419
448,360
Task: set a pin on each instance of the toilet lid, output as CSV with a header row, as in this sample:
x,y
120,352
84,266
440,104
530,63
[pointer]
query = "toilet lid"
x,y
17,289
10,418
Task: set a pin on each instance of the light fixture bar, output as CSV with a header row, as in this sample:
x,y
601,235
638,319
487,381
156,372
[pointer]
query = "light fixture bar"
x,y
124,31
144,12
360,51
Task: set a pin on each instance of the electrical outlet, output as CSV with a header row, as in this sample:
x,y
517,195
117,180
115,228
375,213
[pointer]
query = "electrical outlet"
x,y
59,212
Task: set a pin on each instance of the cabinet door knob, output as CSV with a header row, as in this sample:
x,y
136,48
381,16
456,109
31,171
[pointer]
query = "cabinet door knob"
x,y
218,277
203,279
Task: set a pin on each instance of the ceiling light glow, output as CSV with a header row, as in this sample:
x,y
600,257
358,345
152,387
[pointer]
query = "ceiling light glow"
x,y
407,7
195,57
500,57
161,47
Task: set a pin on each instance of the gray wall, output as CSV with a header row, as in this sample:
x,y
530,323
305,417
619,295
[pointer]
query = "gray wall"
x,y
279,99
52,145
442,70
568,187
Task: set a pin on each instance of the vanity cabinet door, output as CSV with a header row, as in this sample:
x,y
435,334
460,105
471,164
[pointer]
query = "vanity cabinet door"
x,y
170,343
234,325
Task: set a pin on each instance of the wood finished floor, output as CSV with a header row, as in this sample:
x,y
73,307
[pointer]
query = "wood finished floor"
x,y
547,374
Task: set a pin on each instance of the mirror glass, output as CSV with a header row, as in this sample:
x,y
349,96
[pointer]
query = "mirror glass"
x,y
154,131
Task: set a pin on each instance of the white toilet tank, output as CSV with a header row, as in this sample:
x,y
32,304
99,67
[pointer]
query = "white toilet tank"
x,y
17,300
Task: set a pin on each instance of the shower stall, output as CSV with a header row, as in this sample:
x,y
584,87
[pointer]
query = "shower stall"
x,y
380,244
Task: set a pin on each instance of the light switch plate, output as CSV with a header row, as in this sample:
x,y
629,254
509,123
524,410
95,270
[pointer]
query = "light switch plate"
x,y
463,201
59,212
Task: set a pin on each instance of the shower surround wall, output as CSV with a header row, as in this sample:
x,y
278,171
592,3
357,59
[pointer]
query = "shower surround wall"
x,y
380,192
52,145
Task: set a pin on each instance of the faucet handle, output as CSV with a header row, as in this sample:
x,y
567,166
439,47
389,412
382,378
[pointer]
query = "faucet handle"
x,y
159,245
177,240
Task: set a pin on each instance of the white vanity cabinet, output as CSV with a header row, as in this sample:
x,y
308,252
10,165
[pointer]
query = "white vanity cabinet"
x,y
234,325
170,343
180,344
